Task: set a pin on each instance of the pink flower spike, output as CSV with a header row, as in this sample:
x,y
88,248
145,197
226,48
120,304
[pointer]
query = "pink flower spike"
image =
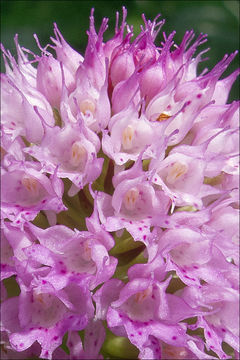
x,y
120,198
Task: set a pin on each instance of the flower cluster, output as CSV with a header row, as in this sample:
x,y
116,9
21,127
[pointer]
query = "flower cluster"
x,y
119,199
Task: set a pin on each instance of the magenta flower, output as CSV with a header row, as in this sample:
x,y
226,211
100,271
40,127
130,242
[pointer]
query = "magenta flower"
x,y
120,200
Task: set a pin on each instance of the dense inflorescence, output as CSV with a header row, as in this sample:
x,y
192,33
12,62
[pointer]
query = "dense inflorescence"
x,y
119,200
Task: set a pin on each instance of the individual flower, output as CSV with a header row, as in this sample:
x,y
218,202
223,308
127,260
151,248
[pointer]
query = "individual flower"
x,y
73,155
78,257
220,325
26,191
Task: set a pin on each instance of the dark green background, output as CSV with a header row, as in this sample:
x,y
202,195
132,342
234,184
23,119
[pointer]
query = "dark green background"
x,y
219,19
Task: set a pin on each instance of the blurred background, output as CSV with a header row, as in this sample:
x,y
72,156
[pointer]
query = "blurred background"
x,y
219,19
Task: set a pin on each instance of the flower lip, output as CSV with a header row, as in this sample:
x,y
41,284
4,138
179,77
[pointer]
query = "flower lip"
x,y
176,172
78,256
130,198
139,300
86,106
128,137
143,295
87,252
78,156
31,184
30,191
46,308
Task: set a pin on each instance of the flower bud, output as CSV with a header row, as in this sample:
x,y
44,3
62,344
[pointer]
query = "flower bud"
x,y
155,78
152,81
122,67
49,79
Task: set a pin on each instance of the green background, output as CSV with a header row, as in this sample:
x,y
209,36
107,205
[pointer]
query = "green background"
x,y
219,19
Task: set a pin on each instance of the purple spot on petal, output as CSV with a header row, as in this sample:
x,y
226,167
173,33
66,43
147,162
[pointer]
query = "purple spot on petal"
x,y
46,352
223,330
132,335
209,334
140,229
43,201
63,271
199,96
95,343
174,337
139,333
166,222
195,267
21,345
44,282
55,338
90,334
144,237
130,222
